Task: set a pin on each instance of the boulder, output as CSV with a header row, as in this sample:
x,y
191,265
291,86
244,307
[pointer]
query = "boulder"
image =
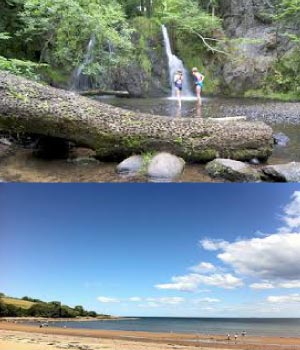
x,y
165,166
6,148
131,165
232,170
81,152
289,172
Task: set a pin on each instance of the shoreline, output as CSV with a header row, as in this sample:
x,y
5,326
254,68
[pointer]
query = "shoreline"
x,y
76,319
18,333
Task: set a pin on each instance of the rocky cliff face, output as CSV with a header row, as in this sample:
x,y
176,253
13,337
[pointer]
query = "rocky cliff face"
x,y
147,76
264,43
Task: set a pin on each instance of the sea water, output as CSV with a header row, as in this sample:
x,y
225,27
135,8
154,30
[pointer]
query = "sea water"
x,y
280,327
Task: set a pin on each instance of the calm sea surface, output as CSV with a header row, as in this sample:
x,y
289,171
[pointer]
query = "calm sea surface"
x,y
282,327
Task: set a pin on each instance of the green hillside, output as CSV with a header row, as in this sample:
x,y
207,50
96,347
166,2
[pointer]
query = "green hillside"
x,y
25,304
30,307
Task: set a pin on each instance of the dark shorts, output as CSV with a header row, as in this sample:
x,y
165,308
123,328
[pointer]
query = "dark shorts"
x,y
178,86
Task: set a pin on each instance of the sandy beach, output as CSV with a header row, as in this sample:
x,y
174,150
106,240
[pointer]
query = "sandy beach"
x,y
26,337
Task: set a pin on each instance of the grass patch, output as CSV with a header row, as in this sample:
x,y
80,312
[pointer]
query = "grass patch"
x,y
18,302
279,96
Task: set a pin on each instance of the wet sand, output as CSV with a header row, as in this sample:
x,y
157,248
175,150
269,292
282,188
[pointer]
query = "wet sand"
x,y
27,337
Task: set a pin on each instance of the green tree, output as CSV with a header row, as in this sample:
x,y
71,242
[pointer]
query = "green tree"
x,y
3,309
80,310
191,20
61,30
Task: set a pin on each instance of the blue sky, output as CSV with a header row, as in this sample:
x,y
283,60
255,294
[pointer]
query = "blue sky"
x,y
154,249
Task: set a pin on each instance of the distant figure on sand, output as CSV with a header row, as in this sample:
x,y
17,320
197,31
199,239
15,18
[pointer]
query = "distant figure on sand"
x,y
198,78
243,333
228,337
178,81
235,337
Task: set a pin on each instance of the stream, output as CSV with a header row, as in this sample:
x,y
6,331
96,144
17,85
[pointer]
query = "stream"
x,y
22,166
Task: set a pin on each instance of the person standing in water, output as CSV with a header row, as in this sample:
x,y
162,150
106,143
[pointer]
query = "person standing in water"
x,y
178,81
198,78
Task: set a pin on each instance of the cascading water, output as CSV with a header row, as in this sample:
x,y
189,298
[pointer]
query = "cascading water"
x,y
176,64
79,80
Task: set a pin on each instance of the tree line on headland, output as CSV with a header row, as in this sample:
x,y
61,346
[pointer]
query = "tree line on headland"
x,y
48,39
11,307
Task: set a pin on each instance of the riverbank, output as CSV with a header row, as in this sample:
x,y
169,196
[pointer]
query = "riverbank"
x,y
27,337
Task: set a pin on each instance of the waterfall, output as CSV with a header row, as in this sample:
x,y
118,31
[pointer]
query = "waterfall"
x,y
174,64
79,80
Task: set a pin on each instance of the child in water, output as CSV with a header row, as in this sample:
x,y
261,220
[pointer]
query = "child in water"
x,y
198,78
178,81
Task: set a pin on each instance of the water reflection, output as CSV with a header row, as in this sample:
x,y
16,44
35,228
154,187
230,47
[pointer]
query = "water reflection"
x,y
198,109
178,111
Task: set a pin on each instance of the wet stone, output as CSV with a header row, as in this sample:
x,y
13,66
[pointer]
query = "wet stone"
x,y
131,165
232,170
165,166
281,139
289,172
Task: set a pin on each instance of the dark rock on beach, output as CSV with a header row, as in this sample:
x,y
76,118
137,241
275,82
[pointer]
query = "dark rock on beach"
x,y
232,170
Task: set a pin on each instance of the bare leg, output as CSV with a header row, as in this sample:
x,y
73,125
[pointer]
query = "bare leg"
x,y
198,93
178,95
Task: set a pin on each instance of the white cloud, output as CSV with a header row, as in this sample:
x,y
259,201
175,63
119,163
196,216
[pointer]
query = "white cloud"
x,y
186,283
291,298
203,267
213,244
191,282
272,257
206,300
151,304
166,300
290,284
262,285
135,299
292,211
108,300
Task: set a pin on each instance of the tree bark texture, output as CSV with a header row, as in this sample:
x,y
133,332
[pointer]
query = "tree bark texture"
x,y
115,133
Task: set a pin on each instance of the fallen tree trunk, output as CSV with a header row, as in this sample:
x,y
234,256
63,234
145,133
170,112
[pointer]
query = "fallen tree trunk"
x,y
114,133
102,92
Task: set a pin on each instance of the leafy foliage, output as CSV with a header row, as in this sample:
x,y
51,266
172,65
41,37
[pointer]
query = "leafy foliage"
x,y
62,30
25,68
53,309
289,9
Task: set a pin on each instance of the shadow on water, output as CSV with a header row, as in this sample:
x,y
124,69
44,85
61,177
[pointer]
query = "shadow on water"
x,y
22,166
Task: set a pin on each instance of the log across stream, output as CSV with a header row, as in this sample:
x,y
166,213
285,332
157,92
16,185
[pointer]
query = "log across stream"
x,y
114,133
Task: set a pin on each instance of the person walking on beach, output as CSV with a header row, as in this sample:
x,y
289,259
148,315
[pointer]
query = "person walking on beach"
x,y
235,338
228,337
198,79
178,81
